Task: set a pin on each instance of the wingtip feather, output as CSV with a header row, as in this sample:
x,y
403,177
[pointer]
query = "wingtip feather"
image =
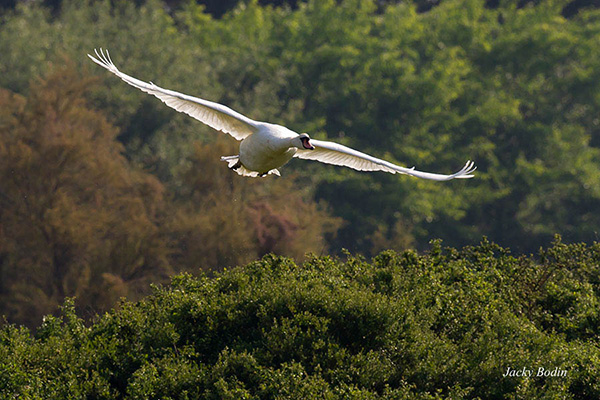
x,y
467,171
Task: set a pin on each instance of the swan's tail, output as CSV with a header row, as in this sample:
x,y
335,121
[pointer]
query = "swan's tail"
x,y
241,170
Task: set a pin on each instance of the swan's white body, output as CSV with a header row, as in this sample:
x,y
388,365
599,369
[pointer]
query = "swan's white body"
x,y
266,147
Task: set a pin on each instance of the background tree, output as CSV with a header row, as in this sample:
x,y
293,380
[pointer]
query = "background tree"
x,y
224,219
77,220
498,85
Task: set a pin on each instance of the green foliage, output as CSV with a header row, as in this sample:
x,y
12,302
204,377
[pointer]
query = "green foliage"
x,y
446,324
508,87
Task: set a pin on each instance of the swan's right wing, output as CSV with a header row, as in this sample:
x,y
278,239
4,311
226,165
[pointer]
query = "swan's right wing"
x,y
215,115
337,154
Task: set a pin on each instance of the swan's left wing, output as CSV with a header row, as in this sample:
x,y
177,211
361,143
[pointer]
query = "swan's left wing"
x,y
337,154
215,115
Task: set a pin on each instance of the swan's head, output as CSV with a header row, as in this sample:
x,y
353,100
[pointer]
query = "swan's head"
x,y
302,142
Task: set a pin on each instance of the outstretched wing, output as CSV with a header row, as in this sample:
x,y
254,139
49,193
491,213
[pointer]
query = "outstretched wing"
x,y
337,154
215,115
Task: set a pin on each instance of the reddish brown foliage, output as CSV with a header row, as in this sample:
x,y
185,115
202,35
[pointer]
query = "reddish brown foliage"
x,y
76,218
231,220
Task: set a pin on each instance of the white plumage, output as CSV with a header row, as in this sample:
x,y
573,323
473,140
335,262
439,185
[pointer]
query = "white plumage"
x,y
266,147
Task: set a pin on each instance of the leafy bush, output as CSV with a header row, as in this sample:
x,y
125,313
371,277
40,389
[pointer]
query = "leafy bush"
x,y
445,324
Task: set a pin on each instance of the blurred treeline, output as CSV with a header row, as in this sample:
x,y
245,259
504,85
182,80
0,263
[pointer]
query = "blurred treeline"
x,y
104,189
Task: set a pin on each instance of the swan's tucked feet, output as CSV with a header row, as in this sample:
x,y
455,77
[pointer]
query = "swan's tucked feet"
x,y
236,165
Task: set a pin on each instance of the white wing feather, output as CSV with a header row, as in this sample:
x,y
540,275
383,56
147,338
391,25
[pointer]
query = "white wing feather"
x,y
337,154
217,116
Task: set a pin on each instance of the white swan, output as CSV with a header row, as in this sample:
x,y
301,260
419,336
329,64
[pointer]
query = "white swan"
x,y
266,147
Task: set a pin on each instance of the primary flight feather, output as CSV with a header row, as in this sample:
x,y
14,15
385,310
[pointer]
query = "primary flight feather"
x,y
265,147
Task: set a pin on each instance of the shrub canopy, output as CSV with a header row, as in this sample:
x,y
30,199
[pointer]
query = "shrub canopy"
x,y
445,324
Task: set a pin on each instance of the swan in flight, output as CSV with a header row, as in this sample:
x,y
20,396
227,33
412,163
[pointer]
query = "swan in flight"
x,y
265,147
